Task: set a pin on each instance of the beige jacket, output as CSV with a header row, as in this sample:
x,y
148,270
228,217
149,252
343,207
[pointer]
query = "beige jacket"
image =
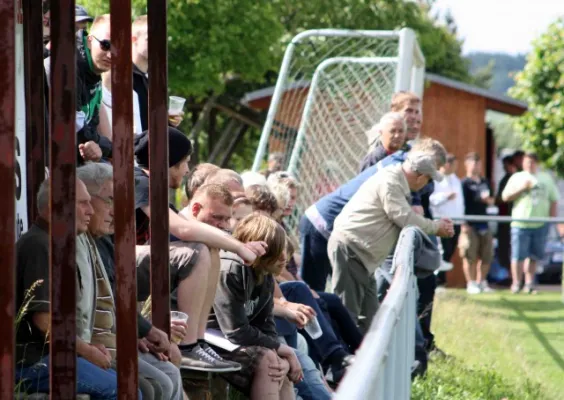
x,y
372,220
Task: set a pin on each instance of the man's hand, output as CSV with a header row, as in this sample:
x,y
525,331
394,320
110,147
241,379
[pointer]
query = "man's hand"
x,y
250,251
528,185
295,374
90,151
279,370
446,228
302,308
143,345
296,317
418,210
178,330
174,355
176,119
451,196
99,355
158,339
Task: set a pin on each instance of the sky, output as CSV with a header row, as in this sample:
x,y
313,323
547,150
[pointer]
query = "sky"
x,y
506,26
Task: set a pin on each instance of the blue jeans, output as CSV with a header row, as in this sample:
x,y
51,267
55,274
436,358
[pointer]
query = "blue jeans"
x,y
312,386
315,265
343,324
328,348
100,384
287,330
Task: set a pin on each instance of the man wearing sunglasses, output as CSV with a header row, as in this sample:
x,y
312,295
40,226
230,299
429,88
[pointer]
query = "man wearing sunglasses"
x,y
93,58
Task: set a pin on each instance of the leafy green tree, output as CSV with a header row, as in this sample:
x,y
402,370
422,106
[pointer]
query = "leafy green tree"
x,y
541,85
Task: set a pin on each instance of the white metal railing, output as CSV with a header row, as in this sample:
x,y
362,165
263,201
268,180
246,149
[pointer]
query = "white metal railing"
x,y
382,369
506,219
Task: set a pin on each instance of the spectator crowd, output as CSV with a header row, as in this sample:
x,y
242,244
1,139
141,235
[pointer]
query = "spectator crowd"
x,y
259,308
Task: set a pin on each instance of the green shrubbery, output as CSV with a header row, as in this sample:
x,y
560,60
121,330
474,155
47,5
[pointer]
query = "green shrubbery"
x,y
451,380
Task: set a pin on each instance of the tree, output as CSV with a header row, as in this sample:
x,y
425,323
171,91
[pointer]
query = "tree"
x,y
541,85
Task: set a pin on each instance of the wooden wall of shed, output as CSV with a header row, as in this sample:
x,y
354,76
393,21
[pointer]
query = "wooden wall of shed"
x,y
457,120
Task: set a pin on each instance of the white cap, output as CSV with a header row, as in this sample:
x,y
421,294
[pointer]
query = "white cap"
x,y
425,164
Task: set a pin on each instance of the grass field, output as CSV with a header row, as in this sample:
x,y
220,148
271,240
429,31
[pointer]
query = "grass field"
x,y
503,346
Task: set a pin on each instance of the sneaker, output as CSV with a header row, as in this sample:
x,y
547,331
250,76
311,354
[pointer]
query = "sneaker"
x,y
485,287
473,288
445,266
515,289
198,359
208,349
529,289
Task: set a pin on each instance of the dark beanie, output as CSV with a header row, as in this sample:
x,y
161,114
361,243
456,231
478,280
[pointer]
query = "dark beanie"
x,y
179,147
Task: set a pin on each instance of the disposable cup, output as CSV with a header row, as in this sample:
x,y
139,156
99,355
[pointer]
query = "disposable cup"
x,y
175,105
181,317
313,328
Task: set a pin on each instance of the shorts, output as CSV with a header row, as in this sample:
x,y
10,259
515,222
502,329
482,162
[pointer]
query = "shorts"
x,y
528,243
249,357
182,258
474,246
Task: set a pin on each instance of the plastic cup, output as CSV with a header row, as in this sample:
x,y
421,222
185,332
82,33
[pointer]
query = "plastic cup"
x,y
180,317
175,105
313,329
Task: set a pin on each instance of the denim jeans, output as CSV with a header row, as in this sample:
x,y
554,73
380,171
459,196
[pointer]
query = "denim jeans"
x,y
343,324
315,265
312,386
326,348
100,384
287,330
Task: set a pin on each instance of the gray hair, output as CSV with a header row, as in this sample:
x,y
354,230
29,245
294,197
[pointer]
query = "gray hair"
x,y
94,175
374,133
43,195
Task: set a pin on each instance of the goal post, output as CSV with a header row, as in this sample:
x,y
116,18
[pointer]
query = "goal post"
x,y
302,57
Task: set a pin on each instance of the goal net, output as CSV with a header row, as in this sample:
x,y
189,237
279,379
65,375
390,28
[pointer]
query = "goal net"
x,y
333,86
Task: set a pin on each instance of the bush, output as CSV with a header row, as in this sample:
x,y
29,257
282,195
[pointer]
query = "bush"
x,y
450,380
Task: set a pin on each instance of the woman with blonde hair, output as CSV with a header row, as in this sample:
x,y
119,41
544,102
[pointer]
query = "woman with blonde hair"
x,y
243,311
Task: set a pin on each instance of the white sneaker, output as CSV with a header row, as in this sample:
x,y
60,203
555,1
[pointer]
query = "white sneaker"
x,y
485,287
445,266
473,288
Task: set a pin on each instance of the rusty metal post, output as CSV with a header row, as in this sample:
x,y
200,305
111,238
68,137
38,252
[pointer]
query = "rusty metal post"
x,y
63,195
35,102
124,199
158,163
8,198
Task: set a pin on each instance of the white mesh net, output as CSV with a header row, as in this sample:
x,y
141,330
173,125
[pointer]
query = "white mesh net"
x,y
346,98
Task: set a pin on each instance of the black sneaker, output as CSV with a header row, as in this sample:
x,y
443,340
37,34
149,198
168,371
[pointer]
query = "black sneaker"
x,y
198,359
208,349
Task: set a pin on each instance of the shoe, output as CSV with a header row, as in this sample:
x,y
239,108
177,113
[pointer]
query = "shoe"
x,y
437,353
485,287
198,359
515,289
417,369
208,349
445,266
348,360
473,288
529,289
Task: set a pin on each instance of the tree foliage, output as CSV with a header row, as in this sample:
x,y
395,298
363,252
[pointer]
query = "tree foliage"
x,y
541,85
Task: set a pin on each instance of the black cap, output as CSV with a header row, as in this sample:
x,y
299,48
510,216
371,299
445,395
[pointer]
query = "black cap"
x,y
81,15
179,147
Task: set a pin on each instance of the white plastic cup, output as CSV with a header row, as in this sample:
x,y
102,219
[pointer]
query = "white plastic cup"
x,y
180,317
313,328
175,105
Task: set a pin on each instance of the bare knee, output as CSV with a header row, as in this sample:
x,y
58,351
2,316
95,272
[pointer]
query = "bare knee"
x,y
269,358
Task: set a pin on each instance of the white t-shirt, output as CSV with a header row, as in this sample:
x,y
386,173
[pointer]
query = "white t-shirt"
x,y
107,103
441,206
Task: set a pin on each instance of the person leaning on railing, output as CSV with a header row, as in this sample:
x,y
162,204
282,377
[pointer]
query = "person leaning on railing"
x,y
368,227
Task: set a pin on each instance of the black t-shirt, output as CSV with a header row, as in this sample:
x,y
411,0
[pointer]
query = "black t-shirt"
x,y
141,201
32,255
473,199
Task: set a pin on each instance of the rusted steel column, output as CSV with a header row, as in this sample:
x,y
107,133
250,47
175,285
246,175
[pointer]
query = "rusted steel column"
x,y
8,198
124,198
35,102
158,163
63,194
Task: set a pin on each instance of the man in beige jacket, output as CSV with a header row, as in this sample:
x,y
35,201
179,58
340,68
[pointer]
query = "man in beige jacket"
x,y
369,226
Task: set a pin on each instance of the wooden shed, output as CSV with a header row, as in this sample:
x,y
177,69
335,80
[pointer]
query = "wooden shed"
x,y
453,113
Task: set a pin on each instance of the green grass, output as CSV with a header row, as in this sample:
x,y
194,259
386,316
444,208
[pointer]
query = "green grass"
x,y
503,346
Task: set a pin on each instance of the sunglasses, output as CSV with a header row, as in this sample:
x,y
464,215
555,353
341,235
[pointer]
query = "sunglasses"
x,y
105,44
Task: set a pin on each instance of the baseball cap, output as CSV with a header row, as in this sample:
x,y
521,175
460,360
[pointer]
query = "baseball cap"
x,y
81,15
425,164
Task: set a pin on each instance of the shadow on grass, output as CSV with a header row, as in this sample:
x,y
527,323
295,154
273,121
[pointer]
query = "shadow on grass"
x,y
521,303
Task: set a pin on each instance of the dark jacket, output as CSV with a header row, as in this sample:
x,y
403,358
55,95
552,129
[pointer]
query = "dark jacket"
x,y
243,306
372,158
141,87
88,98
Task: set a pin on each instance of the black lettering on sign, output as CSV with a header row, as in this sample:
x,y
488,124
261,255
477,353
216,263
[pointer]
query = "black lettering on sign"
x,y
18,172
19,226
